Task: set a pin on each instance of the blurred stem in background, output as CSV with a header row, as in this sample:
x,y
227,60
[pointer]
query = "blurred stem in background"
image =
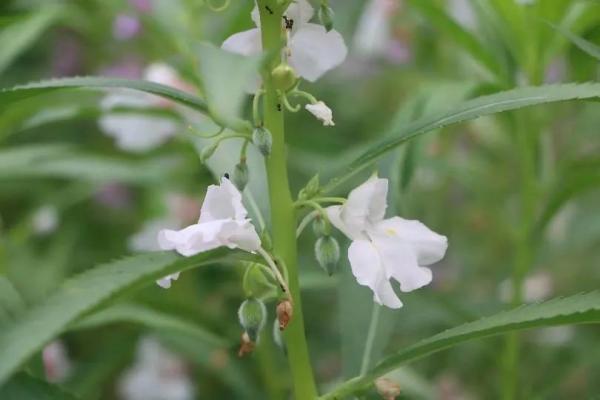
x,y
283,216
523,253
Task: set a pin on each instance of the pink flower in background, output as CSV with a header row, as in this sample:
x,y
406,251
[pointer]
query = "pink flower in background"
x,y
144,6
56,362
126,27
115,196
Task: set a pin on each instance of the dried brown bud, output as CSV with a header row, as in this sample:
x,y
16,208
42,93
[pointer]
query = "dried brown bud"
x,y
285,309
387,388
246,345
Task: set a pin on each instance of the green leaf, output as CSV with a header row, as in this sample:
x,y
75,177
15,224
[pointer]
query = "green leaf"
x,y
11,302
64,161
19,35
467,40
586,46
225,78
26,387
86,292
154,319
577,309
22,92
486,105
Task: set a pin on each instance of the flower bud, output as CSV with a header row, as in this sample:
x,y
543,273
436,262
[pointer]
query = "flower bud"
x,y
326,15
241,175
252,315
285,309
387,388
311,189
261,137
284,77
327,252
208,151
257,284
321,226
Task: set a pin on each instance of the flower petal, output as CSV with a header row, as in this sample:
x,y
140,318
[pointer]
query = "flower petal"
x,y
300,11
240,234
368,271
428,246
315,51
165,282
193,239
137,133
247,43
334,215
400,261
222,202
366,204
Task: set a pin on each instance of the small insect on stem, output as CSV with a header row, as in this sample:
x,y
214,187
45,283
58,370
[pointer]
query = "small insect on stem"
x,y
289,23
269,10
278,106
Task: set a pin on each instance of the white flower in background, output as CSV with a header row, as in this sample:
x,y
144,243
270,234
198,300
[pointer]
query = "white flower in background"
x,y
157,374
373,32
134,131
555,335
313,50
57,364
322,112
381,248
463,13
223,222
536,287
45,220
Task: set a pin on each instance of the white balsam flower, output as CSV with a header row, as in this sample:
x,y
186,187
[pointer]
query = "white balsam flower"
x,y
383,249
322,112
135,131
157,374
313,50
223,222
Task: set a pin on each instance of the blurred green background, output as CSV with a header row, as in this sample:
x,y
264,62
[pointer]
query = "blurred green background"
x,y
70,198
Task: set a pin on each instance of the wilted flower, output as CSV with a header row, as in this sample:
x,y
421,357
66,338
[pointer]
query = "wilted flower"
x,y
223,222
382,249
313,50
322,112
156,375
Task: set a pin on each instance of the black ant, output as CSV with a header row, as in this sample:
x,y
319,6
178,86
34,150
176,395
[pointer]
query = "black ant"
x,y
289,23
278,106
269,10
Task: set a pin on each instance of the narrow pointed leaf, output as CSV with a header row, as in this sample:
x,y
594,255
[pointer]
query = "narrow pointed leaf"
x,y
486,105
86,292
577,309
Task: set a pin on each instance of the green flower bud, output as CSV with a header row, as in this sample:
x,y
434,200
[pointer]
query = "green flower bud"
x,y
241,175
321,226
284,77
257,284
311,189
261,137
327,252
208,151
252,315
326,15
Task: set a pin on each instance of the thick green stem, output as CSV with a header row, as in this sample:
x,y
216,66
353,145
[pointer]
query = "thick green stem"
x,y
523,250
283,214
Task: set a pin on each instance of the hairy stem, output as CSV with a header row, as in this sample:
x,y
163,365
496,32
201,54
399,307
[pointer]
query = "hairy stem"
x,y
283,216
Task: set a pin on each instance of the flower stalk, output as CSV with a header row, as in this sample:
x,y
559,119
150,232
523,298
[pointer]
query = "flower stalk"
x,y
283,214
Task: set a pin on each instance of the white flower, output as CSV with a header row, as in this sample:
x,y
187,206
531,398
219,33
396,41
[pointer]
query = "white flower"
x,y
322,112
45,220
381,248
373,33
134,131
157,374
223,222
313,50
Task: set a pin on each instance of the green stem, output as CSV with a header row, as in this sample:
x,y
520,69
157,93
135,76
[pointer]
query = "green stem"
x,y
283,214
523,250
366,360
